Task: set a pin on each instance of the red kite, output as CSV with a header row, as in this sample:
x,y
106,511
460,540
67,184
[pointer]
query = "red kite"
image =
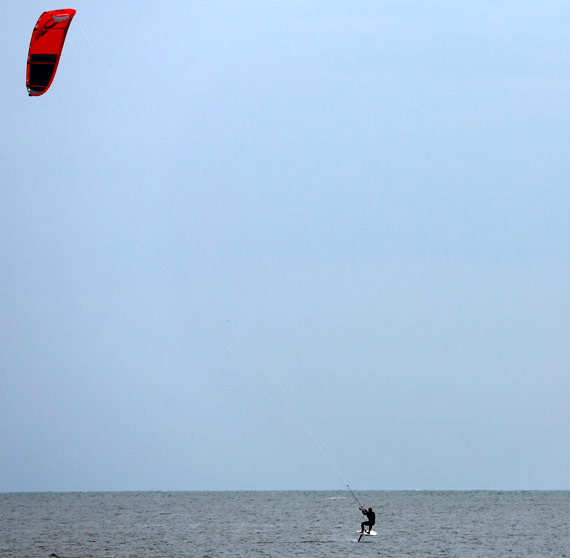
x,y
45,49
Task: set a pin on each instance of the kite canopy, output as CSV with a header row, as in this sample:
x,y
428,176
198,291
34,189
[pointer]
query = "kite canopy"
x,y
45,49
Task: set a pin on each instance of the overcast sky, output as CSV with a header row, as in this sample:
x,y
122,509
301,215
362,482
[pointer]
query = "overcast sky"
x,y
287,245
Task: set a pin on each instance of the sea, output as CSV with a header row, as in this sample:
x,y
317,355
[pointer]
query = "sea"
x,y
284,524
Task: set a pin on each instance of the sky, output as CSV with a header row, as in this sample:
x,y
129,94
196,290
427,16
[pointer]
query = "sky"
x,y
287,245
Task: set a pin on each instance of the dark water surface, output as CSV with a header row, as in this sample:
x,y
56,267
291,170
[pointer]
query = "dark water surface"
x,y
279,524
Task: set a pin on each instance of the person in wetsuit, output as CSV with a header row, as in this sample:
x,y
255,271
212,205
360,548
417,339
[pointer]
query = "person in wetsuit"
x,y
371,516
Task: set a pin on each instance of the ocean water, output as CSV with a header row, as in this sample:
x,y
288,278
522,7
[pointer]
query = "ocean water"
x,y
284,524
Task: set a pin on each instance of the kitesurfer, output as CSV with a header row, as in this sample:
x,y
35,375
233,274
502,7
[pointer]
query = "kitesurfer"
x,y
371,516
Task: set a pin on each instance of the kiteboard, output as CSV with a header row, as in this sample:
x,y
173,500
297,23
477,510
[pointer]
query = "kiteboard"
x,y
367,534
